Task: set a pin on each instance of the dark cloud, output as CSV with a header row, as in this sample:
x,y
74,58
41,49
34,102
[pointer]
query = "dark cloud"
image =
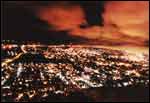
x,y
21,23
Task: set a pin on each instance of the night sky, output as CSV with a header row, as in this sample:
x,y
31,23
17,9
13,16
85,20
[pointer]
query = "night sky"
x,y
19,23
89,22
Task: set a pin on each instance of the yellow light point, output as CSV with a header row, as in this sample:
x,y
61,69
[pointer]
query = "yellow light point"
x,y
9,94
3,64
45,82
20,82
133,72
125,64
27,85
45,95
116,77
31,94
7,76
137,74
19,96
23,48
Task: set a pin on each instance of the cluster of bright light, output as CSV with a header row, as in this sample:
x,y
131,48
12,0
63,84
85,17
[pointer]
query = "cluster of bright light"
x,y
80,67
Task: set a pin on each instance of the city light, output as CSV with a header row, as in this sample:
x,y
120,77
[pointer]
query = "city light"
x,y
61,69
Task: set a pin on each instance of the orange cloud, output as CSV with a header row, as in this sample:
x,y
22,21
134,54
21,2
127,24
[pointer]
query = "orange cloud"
x,y
125,22
63,17
96,32
132,17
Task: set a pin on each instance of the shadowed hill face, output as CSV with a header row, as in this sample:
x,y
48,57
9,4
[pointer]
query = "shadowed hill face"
x,y
29,57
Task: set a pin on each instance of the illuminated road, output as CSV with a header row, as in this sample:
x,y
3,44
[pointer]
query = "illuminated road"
x,y
11,60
